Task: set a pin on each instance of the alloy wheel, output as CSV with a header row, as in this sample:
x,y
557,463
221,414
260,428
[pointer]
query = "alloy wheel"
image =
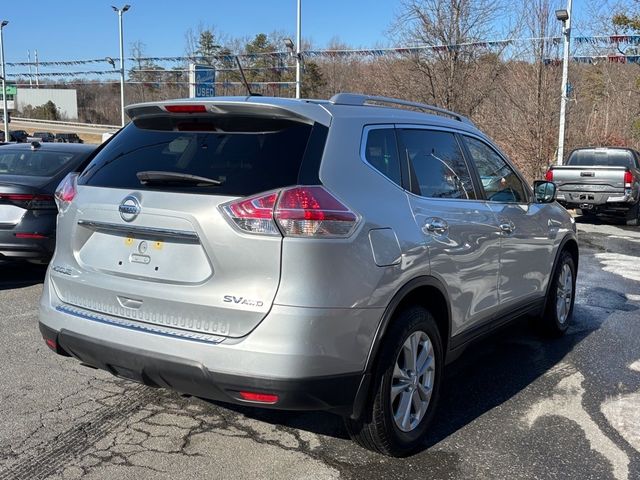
x,y
412,381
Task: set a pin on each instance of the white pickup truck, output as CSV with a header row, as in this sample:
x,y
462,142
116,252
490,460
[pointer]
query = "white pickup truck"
x,y
600,180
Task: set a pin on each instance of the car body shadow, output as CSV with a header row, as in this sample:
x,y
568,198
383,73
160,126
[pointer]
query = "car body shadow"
x,y
21,274
489,373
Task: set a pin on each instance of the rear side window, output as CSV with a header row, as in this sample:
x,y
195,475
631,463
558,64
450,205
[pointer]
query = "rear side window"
x,y
604,157
381,152
438,167
246,156
32,163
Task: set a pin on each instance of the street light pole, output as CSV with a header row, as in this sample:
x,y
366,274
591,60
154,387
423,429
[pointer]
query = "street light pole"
x,y
298,42
120,11
5,113
565,17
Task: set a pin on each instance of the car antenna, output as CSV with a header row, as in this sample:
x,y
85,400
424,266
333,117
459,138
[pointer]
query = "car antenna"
x,y
244,80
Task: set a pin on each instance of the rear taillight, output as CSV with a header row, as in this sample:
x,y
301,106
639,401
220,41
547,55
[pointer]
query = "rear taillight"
x,y
549,176
313,212
66,191
254,214
628,179
304,211
29,201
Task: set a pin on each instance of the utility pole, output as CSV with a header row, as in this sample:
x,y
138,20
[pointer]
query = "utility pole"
x,y
35,54
120,11
565,17
298,42
5,112
29,62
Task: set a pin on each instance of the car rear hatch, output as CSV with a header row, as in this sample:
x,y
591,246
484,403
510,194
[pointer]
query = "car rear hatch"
x,y
147,236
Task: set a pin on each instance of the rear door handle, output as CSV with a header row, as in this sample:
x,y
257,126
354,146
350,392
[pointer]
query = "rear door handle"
x,y
507,228
436,225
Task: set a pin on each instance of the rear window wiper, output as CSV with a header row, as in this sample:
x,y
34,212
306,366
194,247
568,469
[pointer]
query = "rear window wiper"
x,y
152,177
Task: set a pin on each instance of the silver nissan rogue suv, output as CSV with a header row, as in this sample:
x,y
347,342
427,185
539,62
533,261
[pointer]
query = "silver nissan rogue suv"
x,y
301,254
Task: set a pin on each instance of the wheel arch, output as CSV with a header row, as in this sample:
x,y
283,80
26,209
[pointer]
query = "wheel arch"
x,y
426,291
569,243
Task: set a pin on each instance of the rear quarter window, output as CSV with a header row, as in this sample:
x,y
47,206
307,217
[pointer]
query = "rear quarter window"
x,y
246,156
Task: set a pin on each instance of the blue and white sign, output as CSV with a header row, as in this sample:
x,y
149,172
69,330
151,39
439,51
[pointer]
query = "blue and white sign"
x,y
202,81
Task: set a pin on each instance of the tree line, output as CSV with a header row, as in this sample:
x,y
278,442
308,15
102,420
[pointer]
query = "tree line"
x,y
512,91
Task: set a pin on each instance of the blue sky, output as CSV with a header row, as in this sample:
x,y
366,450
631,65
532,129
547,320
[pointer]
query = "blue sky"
x,y
89,28
80,29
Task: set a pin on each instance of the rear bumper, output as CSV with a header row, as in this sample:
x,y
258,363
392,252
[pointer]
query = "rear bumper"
x,y
312,358
331,393
13,248
574,199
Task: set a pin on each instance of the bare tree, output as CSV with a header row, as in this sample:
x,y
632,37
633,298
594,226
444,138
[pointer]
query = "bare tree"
x,y
449,72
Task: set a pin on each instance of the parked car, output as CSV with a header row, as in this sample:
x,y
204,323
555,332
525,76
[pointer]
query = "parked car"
x,y
44,136
600,180
2,139
304,255
68,138
19,136
29,175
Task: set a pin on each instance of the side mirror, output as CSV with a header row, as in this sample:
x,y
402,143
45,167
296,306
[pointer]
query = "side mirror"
x,y
544,192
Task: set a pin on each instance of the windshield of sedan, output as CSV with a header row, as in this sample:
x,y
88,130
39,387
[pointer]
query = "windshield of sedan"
x,y
32,163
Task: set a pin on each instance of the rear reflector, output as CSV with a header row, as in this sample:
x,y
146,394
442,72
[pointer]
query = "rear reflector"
x,y
30,235
66,192
51,344
549,175
186,108
259,397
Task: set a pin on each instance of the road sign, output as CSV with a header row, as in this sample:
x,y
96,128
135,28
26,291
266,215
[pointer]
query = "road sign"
x,y
11,89
202,80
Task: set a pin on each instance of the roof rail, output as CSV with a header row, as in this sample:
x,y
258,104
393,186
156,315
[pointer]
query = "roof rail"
x,y
361,100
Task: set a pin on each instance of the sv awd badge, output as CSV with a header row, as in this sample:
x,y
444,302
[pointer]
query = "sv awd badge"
x,y
242,301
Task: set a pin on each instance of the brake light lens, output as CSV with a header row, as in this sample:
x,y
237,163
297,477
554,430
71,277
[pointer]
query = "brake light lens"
x,y
29,201
313,212
549,175
303,211
66,192
254,214
628,179
186,108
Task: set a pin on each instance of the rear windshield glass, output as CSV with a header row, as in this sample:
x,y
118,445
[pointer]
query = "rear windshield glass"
x,y
243,156
34,163
607,158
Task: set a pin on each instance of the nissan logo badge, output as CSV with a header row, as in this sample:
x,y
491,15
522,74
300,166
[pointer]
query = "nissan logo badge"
x,y
129,208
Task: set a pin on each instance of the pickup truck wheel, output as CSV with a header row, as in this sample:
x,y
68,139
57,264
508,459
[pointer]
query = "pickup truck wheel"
x,y
560,297
406,387
633,217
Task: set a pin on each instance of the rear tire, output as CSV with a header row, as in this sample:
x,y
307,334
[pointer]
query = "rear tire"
x,y
405,392
633,217
560,297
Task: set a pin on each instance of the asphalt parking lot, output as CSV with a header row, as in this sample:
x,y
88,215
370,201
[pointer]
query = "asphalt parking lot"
x,y
516,406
